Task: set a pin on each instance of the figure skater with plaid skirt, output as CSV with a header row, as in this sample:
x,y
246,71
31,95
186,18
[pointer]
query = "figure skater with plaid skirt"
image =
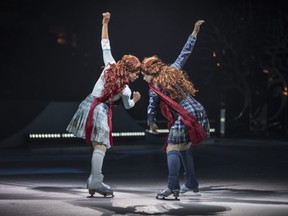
x,y
93,118
188,124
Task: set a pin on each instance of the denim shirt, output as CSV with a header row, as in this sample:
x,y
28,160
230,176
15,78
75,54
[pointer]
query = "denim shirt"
x,y
179,64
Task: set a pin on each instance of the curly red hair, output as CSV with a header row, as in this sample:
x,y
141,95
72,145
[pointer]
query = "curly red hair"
x,y
117,76
170,79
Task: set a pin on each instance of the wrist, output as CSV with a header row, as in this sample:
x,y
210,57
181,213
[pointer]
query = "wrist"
x,y
194,34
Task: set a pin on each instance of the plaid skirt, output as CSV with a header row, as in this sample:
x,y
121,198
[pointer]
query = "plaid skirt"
x,y
100,130
178,133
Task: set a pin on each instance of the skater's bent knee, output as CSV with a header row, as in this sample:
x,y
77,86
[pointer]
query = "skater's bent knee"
x,y
99,146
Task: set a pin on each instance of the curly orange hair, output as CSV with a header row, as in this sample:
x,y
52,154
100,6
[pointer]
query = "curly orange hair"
x,y
117,76
170,79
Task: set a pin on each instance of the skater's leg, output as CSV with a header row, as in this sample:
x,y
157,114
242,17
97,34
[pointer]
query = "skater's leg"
x,y
96,175
174,163
190,180
95,180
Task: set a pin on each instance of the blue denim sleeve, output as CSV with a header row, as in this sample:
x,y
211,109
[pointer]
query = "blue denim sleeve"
x,y
185,53
152,107
179,63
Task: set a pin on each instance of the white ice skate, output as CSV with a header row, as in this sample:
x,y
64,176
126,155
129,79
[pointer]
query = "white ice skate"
x,y
166,193
103,191
96,186
185,189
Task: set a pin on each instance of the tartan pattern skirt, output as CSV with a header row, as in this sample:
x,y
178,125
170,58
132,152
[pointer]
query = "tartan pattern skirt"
x,y
100,130
178,133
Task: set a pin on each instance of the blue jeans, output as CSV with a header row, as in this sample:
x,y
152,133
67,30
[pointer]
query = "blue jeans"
x,y
174,160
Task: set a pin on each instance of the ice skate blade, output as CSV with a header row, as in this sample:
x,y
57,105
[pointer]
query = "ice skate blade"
x,y
165,198
190,195
104,194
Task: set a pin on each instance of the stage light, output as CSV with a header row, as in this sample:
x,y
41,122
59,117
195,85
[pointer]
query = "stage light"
x,y
114,134
285,92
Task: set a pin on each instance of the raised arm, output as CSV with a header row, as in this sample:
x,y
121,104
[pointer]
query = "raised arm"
x,y
105,21
105,42
197,28
188,47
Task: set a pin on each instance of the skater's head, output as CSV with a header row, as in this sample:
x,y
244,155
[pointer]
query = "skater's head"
x,y
172,80
119,74
129,67
151,67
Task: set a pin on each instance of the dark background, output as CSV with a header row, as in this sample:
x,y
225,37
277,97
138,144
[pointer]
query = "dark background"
x,y
50,51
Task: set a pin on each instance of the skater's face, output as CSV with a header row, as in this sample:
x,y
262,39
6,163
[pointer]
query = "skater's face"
x,y
134,76
147,78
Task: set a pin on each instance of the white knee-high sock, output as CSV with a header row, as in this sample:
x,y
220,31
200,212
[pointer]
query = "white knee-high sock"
x,y
97,163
